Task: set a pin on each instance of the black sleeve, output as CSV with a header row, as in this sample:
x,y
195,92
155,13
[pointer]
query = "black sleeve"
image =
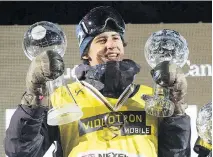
x,y
174,137
28,134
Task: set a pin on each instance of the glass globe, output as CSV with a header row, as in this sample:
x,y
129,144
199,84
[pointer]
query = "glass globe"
x,y
204,123
43,36
166,45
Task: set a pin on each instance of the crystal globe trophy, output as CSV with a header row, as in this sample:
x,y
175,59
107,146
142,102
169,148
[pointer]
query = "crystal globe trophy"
x,y
204,123
43,36
164,46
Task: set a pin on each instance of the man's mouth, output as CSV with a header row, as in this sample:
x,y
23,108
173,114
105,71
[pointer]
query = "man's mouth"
x,y
112,57
109,56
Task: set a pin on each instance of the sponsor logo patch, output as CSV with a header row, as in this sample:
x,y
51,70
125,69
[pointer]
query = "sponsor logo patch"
x,y
134,123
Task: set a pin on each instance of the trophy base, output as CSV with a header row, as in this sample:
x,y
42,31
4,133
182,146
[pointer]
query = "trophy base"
x,y
159,107
59,116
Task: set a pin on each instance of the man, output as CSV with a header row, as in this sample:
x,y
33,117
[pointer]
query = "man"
x,y
114,122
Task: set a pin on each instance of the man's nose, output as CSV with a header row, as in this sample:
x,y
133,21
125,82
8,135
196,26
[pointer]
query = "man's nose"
x,y
110,44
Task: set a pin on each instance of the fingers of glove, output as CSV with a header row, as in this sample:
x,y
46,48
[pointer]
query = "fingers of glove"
x,y
47,66
164,73
172,73
146,97
52,65
37,88
177,77
34,78
180,83
179,90
176,96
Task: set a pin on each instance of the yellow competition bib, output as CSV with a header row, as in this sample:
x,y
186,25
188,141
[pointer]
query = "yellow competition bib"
x,y
86,137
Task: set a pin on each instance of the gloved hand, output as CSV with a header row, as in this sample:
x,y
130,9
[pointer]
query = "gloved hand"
x,y
178,90
171,76
45,67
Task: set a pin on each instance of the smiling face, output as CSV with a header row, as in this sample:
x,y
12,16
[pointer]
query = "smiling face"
x,y
107,46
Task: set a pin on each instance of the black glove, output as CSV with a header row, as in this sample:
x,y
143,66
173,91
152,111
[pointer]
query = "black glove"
x,y
163,74
45,67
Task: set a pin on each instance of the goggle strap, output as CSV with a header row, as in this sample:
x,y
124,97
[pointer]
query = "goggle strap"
x,y
84,27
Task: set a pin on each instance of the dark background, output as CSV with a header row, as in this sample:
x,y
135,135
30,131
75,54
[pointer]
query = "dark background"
x,y
26,13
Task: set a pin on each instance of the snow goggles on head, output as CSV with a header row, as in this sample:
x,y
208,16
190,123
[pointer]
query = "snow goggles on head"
x,y
96,20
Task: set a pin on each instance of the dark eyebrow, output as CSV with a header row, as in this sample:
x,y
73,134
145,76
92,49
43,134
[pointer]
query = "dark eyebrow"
x,y
100,37
116,34
105,36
